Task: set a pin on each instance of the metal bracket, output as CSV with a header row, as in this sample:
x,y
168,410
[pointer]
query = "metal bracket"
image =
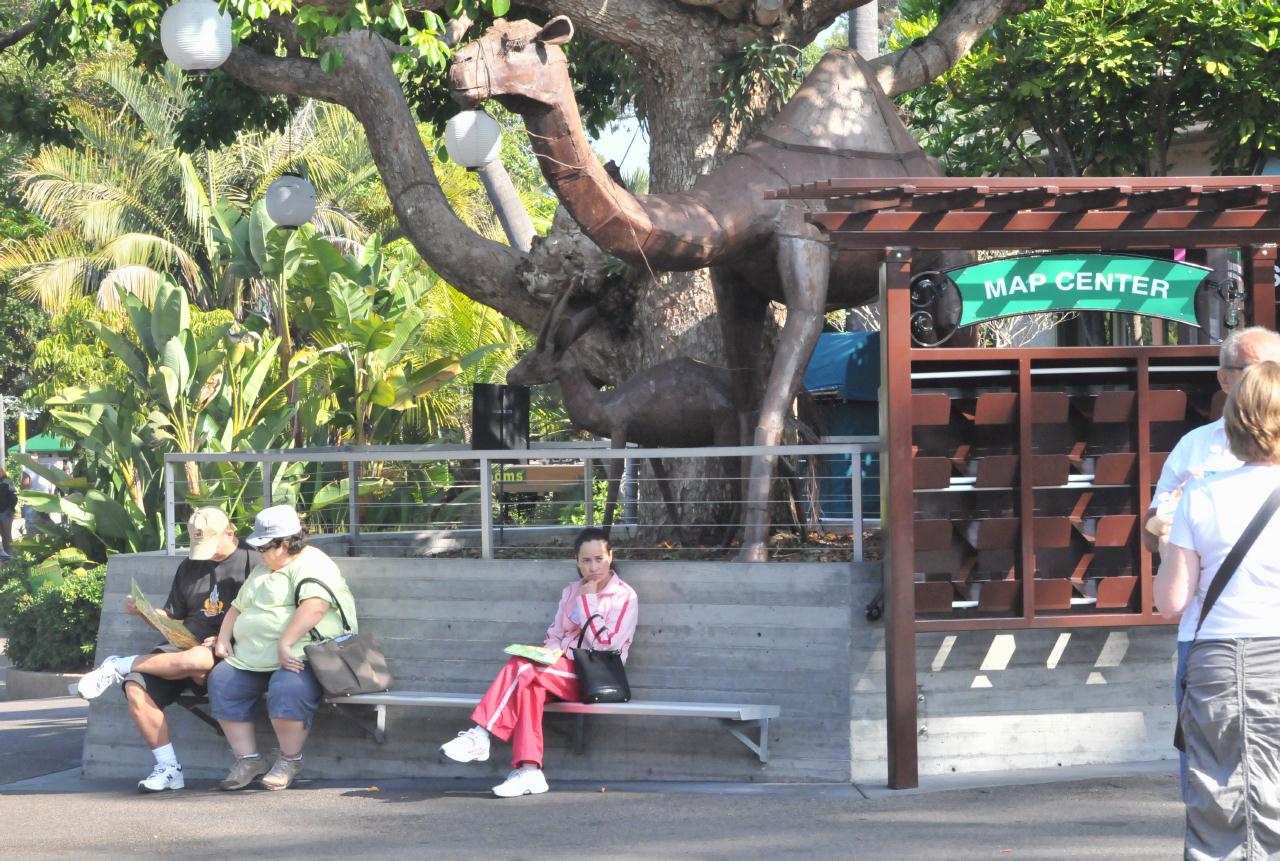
x,y
352,714
760,749
192,705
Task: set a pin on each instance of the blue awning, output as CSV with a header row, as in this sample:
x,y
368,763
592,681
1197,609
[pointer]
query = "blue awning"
x,y
845,365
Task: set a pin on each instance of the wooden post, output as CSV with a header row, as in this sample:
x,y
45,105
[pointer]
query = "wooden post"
x,y
1026,565
898,501
1260,281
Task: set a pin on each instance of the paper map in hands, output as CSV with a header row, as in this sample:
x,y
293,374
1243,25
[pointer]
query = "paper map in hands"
x,y
541,654
174,631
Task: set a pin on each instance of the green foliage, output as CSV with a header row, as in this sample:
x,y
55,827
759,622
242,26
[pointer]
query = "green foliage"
x,y
1076,87
128,208
758,80
52,621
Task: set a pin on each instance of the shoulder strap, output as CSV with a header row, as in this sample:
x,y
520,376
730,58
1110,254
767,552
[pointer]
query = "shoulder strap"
x,y
336,603
1238,550
585,625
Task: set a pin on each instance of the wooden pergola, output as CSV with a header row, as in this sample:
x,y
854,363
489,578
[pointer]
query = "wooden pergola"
x,y
1014,480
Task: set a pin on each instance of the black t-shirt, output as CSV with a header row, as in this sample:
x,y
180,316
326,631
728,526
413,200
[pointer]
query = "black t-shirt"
x,y
203,590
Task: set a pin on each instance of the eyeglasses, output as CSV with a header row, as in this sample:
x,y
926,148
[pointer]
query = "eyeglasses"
x,y
1237,367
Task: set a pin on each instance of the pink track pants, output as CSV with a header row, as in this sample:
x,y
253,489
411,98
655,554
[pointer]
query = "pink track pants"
x,y
512,707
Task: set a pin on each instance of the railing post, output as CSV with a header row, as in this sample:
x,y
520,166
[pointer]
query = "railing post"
x,y
353,505
266,484
588,491
486,510
855,502
170,539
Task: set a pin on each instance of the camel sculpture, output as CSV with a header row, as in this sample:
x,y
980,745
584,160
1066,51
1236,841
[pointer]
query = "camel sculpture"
x,y
675,404
838,124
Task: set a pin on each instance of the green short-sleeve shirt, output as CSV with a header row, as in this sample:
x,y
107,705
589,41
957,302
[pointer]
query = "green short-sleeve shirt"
x,y
266,605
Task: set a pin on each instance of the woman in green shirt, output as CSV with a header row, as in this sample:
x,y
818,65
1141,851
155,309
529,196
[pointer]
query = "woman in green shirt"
x,y
262,640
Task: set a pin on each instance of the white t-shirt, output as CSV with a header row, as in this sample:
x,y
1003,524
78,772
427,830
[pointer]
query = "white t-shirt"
x,y
1202,450
1210,517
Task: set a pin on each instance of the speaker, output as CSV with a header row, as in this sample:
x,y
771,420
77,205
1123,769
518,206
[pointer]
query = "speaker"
x,y
499,416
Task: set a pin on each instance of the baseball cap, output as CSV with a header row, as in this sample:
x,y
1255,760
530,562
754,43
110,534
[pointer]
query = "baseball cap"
x,y
206,528
278,521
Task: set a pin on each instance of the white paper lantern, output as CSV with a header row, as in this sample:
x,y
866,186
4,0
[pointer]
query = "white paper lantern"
x,y
196,37
291,200
473,139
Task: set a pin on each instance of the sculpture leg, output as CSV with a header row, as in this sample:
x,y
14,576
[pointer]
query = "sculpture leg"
x,y
742,313
618,440
804,265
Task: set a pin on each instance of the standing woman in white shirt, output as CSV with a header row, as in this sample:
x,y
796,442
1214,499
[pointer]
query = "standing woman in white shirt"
x,y
1231,710
512,707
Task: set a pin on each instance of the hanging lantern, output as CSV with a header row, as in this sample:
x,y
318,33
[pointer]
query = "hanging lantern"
x,y
291,200
473,139
195,35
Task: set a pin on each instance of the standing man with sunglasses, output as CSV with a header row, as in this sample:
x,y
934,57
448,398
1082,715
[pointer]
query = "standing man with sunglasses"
x,y
1202,452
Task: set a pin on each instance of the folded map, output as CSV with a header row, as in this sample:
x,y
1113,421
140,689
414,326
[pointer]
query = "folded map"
x,y
174,631
541,654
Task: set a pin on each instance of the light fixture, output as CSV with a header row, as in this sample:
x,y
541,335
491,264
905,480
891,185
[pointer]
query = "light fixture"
x,y
291,200
473,139
196,35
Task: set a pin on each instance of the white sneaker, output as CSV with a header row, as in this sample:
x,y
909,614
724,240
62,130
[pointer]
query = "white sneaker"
x,y
162,777
469,746
525,780
94,682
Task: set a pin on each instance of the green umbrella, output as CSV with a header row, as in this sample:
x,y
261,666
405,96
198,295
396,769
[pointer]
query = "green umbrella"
x,y
45,443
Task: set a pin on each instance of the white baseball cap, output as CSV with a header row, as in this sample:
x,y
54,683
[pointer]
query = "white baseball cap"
x,y
278,521
205,527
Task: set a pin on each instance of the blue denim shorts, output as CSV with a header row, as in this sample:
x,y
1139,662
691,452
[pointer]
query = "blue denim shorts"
x,y
235,694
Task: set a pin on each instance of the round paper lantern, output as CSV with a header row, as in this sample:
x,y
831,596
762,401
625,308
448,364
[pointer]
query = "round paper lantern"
x,y
196,37
473,139
291,200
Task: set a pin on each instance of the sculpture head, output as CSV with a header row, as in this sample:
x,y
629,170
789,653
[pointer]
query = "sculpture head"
x,y
515,62
558,332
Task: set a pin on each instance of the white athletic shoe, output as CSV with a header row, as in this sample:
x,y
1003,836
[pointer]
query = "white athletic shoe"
x,y
162,777
525,780
94,682
469,746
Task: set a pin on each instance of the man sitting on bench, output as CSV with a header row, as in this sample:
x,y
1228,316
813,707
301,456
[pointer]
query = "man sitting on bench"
x,y
204,586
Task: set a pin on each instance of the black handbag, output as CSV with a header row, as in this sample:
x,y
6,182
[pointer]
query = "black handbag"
x,y
348,663
601,677
1219,582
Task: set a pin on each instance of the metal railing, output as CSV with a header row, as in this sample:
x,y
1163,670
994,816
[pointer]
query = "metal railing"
x,y
425,500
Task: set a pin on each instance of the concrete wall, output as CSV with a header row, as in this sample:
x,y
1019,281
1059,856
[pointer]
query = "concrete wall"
x,y
791,634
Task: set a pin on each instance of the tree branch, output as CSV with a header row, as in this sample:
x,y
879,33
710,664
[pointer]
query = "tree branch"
x,y
13,37
365,84
921,62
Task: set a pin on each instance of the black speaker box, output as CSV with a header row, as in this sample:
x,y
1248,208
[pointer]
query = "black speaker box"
x,y
499,416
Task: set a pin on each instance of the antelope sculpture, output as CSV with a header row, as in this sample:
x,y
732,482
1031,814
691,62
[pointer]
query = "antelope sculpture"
x,y
676,404
838,124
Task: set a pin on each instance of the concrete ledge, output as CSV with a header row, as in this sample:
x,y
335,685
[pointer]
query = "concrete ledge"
x,y
27,685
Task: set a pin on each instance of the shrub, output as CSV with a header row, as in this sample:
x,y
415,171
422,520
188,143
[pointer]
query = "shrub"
x,y
54,627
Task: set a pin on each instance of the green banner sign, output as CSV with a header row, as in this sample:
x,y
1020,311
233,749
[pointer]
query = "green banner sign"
x,y
1078,282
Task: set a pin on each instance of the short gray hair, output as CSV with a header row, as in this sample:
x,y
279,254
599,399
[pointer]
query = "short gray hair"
x,y
1233,344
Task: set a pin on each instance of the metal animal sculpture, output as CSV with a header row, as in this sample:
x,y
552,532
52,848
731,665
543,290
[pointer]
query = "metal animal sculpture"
x,y
680,403
838,124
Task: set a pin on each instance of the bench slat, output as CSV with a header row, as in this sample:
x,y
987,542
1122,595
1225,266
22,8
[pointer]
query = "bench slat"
x,y
728,711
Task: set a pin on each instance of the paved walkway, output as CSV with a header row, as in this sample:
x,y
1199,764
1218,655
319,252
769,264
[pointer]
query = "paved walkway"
x,y
48,812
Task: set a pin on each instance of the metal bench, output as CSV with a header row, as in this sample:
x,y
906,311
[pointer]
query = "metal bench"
x,y
728,714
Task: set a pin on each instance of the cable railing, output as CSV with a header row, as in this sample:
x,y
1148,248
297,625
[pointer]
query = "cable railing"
x,y
450,500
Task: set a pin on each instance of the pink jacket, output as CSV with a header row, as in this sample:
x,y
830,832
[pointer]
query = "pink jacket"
x,y
618,605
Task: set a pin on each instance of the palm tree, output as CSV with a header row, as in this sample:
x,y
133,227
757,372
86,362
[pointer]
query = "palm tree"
x,y
127,206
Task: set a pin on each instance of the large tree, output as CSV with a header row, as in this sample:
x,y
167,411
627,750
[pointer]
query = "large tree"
x,y
702,73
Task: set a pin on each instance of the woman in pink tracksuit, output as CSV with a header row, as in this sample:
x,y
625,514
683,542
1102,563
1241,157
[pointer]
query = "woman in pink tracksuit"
x,y
512,707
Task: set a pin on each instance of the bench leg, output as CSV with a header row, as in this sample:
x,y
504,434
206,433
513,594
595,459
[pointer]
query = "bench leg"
x,y
376,730
202,715
760,748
